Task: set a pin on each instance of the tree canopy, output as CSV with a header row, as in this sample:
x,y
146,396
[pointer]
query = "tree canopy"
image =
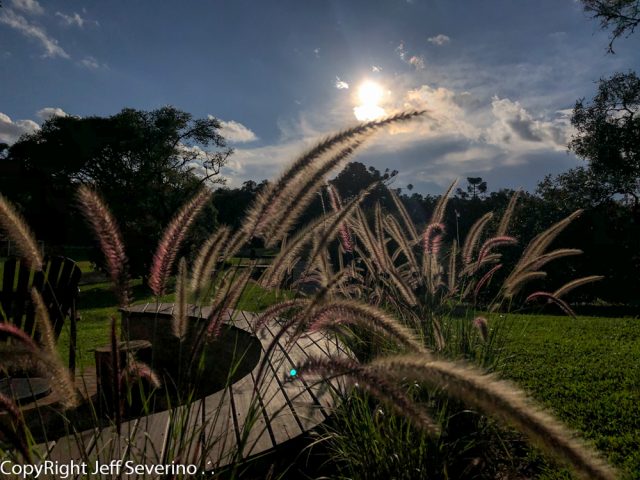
x,y
622,16
154,160
608,135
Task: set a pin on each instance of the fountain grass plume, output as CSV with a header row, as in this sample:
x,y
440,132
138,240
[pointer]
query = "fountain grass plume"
x,y
171,241
208,256
403,288
550,297
378,225
545,258
16,333
349,312
334,282
116,372
256,213
225,299
541,241
63,382
508,214
473,237
373,381
17,230
432,238
15,430
336,204
294,198
498,241
136,370
274,274
578,282
441,206
525,271
278,309
481,324
393,227
370,242
333,223
513,285
106,230
484,279
179,318
451,273
503,401
19,359
404,215
474,267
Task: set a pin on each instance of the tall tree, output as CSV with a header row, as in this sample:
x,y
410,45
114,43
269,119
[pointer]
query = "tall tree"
x,y
608,135
145,164
622,16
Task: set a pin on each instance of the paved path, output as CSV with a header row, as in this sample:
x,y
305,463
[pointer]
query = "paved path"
x,y
215,425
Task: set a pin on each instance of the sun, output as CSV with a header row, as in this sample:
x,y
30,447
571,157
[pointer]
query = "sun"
x,y
370,94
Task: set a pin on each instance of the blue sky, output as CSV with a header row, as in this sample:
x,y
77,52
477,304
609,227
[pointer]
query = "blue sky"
x,y
498,77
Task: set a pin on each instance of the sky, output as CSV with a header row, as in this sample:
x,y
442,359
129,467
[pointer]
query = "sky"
x,y
498,78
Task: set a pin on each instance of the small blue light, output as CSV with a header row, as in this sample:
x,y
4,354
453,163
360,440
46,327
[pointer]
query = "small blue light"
x,y
293,372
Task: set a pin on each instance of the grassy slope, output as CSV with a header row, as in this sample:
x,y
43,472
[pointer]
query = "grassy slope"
x,y
587,371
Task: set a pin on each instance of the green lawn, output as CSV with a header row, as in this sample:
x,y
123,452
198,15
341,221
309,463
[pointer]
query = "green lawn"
x,y
587,371
97,304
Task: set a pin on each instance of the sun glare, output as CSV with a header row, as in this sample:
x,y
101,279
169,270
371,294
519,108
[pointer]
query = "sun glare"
x,y
370,95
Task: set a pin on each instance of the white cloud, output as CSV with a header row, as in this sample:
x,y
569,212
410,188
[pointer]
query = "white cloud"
x,y
10,131
445,112
70,20
401,51
91,63
376,69
50,112
417,62
21,24
341,85
28,6
263,162
236,132
439,39
516,128
194,152
463,133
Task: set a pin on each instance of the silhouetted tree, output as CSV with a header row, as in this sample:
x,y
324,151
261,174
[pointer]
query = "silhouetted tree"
x,y
623,16
608,135
475,186
145,164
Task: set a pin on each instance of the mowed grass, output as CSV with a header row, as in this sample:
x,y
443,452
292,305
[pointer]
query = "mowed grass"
x,y
587,371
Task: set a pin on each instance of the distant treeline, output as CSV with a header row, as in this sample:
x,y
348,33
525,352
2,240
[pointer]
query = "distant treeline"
x,y
606,231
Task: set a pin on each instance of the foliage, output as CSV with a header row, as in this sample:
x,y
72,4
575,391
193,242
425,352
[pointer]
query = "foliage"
x,y
475,186
623,16
386,263
394,287
608,135
133,157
